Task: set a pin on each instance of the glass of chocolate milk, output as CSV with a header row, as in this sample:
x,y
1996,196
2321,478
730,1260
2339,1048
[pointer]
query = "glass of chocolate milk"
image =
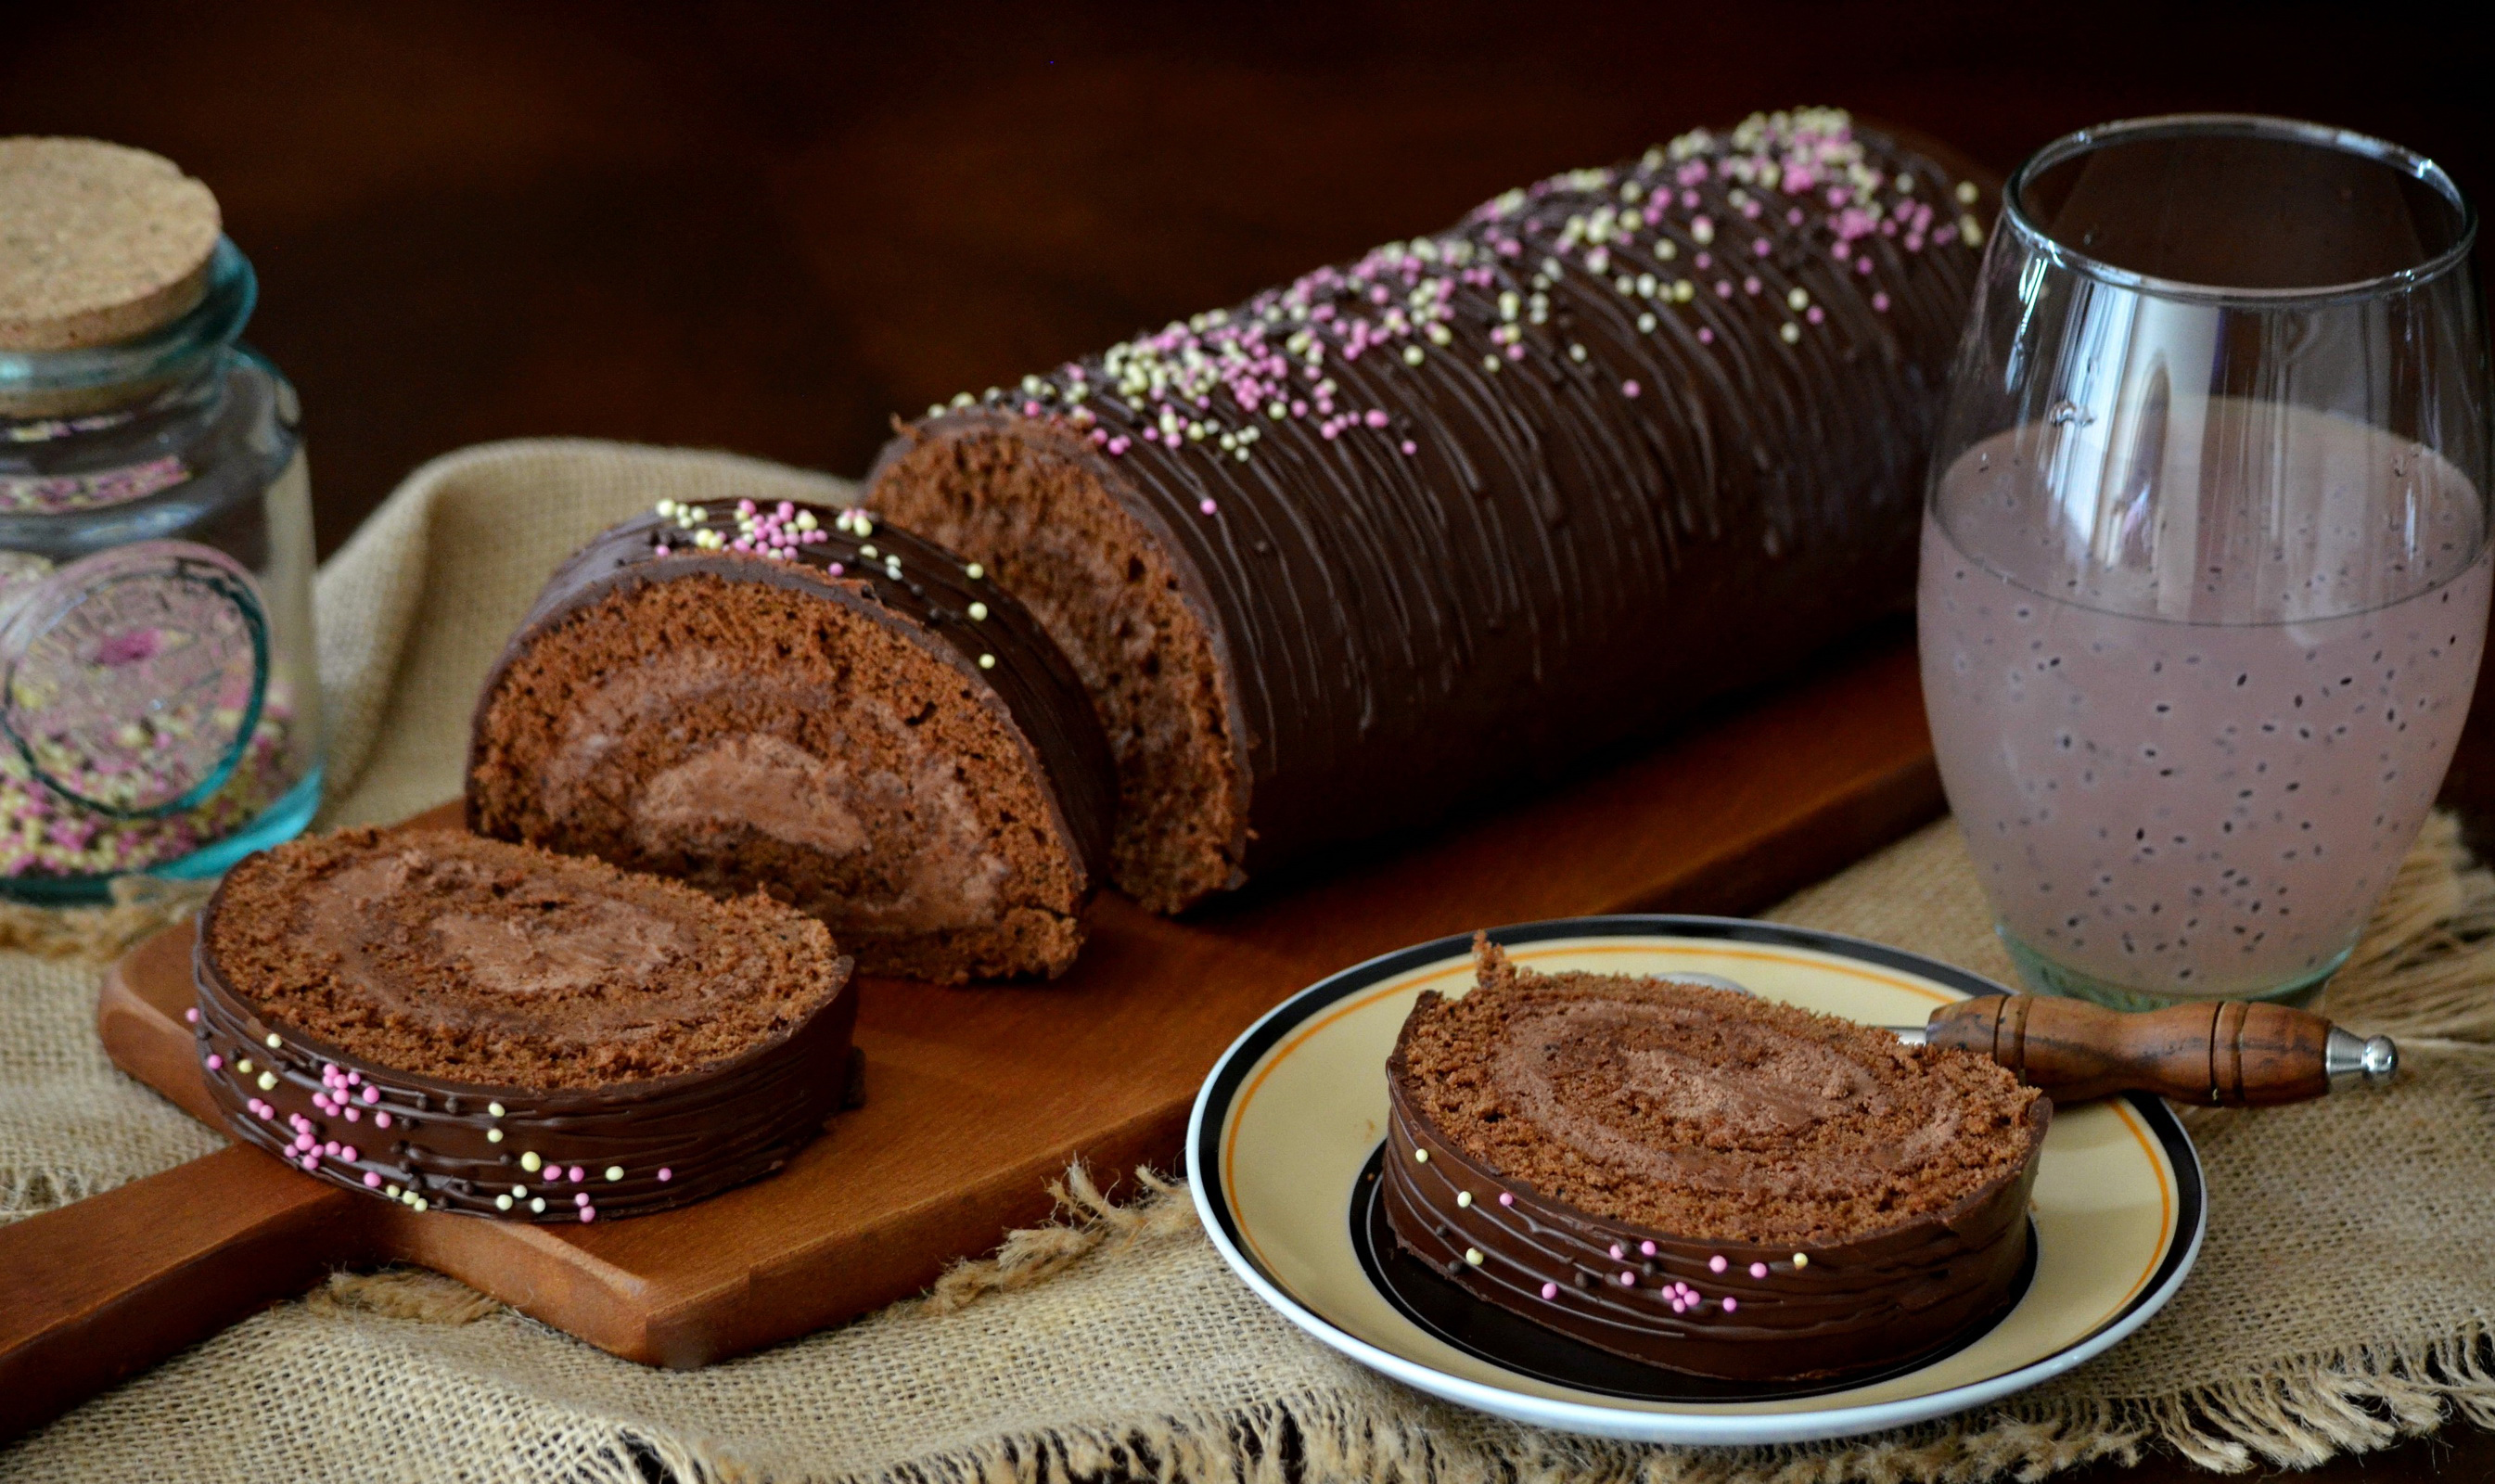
x,y
2205,561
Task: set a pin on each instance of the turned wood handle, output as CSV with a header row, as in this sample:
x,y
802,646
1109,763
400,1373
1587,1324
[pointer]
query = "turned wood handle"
x,y
2225,1052
113,1284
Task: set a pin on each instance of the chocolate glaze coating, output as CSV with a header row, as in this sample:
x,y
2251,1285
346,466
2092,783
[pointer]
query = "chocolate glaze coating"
x,y
711,1130
1031,686
1855,1305
1617,501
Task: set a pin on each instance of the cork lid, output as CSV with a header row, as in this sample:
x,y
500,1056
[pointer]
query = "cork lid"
x,y
99,242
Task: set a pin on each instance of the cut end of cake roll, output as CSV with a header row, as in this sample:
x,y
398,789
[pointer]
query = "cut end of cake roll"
x,y
803,702
1034,504
1704,1180
465,1024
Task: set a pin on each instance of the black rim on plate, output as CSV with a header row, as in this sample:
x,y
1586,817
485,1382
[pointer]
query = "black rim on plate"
x,y
1627,1379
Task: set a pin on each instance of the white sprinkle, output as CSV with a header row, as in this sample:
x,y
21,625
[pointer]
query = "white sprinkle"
x,y
806,520
1969,229
666,507
1801,1259
935,409
536,1203
243,1066
502,1203
1413,356
519,1189
1463,1197
978,610
1420,1157
1577,352
421,1204
391,1191
974,571
494,1109
493,1135
867,551
274,1041
614,1172
531,1162
1489,363
267,1080
1647,322
987,662
1798,300
1967,192
1789,332
1473,1255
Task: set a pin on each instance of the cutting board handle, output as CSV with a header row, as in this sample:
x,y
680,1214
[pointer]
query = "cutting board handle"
x,y
113,1284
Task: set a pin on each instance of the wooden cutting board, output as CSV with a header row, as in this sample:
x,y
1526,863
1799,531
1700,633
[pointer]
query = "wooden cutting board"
x,y
976,1097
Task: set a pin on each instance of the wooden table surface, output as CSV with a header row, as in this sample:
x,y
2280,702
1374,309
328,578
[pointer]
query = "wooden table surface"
x,y
769,227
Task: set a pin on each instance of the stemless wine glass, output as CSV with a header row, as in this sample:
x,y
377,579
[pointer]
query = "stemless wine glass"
x,y
2205,561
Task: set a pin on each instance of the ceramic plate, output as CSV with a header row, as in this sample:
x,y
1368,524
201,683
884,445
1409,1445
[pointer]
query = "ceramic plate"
x,y
1286,1132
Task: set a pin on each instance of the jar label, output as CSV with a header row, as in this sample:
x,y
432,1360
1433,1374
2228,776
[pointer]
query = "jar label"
x,y
131,680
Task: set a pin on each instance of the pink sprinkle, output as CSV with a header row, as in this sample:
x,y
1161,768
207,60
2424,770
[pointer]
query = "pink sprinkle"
x,y
578,1174
1411,447
788,511
329,1072
302,1141
1375,418
312,1163
1731,1303
1207,506
581,1199
372,1180
216,1063
1760,247
588,1215
1758,1270
1705,336
1646,1248
1678,1306
835,569
1706,261
191,1015
662,549
1629,1280
1751,285
1816,315
354,1115
1516,351
1863,265
1716,1263
1629,388
348,1153
381,1120
665,1174
331,1149
372,1094
1506,1199
745,507
1615,1250
266,1111
1550,1290
1880,302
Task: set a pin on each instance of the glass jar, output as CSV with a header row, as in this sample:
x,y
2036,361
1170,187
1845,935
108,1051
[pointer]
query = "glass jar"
x,y
159,702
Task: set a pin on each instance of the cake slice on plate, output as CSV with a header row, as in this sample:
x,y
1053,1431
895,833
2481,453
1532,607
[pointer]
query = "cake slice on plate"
x,y
1704,1180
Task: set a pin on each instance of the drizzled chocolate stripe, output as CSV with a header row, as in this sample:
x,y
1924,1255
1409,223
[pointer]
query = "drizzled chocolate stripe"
x,y
512,1152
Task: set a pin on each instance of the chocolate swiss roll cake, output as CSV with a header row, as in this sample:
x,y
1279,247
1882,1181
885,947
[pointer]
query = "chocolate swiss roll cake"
x,y
1481,504
465,1025
1704,1181
796,700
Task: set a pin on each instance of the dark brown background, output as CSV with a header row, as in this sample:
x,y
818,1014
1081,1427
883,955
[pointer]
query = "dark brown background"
x,y
770,228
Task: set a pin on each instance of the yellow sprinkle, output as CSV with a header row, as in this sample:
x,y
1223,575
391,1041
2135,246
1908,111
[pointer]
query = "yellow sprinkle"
x,y
974,571
866,551
531,1162
1798,300
392,1191
1420,1157
502,1203
1801,1259
1968,228
935,409
978,610
1413,356
519,1189
987,662
493,1135
243,1066
421,1204
493,1108
267,1080
1967,192
1463,1197
806,520
614,1172
536,1203
1473,1255
274,1041
1790,331
666,507
1489,363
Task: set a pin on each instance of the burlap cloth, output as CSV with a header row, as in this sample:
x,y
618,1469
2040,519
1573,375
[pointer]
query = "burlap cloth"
x,y
2343,1298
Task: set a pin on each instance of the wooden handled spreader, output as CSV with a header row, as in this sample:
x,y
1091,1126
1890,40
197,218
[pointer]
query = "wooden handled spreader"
x,y
2224,1053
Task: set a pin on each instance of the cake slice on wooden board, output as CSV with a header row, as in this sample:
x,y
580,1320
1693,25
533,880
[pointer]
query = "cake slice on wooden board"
x,y
1704,1180
1479,505
467,1025
796,700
